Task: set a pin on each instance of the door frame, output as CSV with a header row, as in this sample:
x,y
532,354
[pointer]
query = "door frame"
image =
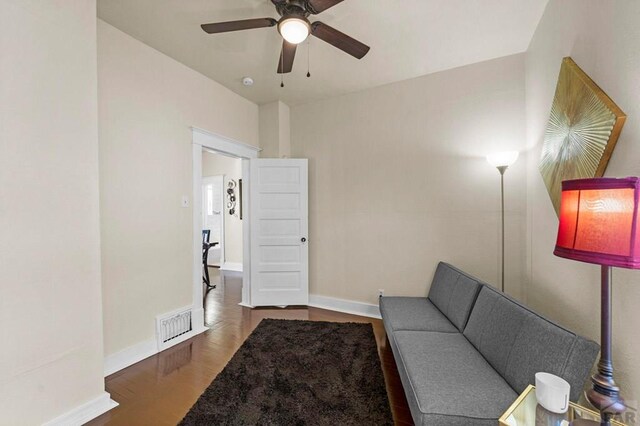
x,y
214,142
222,210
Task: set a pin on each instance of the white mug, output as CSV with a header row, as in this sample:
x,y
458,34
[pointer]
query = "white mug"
x,y
552,392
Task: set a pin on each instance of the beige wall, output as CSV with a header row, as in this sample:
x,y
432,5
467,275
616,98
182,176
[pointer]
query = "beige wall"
x,y
50,310
147,104
275,130
398,181
284,122
602,37
231,168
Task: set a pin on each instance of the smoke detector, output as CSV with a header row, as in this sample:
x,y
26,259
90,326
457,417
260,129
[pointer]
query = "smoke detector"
x,y
247,81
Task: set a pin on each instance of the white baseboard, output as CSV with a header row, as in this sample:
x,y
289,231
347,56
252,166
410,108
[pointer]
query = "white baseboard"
x,y
231,266
346,306
129,356
197,320
85,412
136,353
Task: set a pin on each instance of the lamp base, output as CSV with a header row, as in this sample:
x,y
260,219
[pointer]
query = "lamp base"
x,y
609,405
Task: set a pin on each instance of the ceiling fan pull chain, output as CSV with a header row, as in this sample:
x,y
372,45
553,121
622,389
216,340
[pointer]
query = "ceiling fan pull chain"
x,y
308,57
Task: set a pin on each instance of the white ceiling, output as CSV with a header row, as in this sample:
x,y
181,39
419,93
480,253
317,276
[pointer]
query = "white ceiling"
x,y
408,38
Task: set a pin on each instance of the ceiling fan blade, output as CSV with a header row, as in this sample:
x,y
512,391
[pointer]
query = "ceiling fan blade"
x,y
246,24
340,40
317,6
288,53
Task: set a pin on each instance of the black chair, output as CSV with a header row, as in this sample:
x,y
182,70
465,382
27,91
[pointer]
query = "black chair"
x,y
206,245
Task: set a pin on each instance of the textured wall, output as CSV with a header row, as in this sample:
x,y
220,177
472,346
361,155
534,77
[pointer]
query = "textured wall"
x,y
398,181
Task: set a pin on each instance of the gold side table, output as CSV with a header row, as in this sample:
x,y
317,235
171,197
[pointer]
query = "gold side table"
x,y
525,411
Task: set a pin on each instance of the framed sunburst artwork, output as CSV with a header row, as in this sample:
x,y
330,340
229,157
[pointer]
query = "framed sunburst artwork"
x,y
582,131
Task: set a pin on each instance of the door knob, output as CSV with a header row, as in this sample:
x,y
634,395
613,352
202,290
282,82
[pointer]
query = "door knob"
x,y
303,239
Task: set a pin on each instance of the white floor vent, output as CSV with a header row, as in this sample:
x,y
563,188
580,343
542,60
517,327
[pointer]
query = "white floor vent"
x,y
173,328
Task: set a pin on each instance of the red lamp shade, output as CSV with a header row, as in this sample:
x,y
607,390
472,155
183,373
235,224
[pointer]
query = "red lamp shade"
x,y
598,222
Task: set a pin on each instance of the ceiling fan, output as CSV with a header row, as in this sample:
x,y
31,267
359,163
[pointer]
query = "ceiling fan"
x,y
294,27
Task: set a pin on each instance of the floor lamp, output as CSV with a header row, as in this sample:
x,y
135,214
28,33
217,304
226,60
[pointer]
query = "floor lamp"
x,y
599,224
502,161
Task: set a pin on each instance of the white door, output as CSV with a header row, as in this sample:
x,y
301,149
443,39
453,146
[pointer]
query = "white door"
x,y
279,225
213,216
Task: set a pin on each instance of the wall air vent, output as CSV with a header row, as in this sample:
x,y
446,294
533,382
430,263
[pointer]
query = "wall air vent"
x,y
173,328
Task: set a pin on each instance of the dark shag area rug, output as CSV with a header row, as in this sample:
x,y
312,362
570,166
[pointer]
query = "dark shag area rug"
x,y
291,372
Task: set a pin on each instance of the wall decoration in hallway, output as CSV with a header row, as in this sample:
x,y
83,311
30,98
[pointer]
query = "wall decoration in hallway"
x,y
582,131
231,197
240,197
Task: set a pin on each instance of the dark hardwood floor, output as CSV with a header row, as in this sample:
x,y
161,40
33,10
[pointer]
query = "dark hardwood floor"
x,y
160,389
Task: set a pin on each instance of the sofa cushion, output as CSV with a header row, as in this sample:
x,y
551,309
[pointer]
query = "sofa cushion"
x,y
519,343
454,292
447,382
413,313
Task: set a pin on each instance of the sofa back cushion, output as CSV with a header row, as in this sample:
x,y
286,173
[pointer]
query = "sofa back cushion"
x,y
519,343
453,292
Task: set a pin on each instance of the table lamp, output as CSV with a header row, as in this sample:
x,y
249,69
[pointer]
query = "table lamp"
x,y
502,161
599,224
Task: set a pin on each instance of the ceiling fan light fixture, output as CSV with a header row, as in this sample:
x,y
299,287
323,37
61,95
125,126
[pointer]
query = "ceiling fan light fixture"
x,y
295,30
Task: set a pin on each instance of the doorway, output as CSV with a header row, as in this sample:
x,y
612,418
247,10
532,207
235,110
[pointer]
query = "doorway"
x,y
220,145
222,212
277,273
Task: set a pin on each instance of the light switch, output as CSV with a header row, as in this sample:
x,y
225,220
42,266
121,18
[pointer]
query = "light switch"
x,y
185,201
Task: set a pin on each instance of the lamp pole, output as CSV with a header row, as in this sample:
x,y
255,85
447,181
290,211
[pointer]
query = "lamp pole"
x,y
502,169
502,161
605,394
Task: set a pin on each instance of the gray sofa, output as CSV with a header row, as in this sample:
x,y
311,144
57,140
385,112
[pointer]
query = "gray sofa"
x,y
466,352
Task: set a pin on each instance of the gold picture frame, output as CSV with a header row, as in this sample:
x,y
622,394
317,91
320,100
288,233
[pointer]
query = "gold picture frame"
x,y
582,131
